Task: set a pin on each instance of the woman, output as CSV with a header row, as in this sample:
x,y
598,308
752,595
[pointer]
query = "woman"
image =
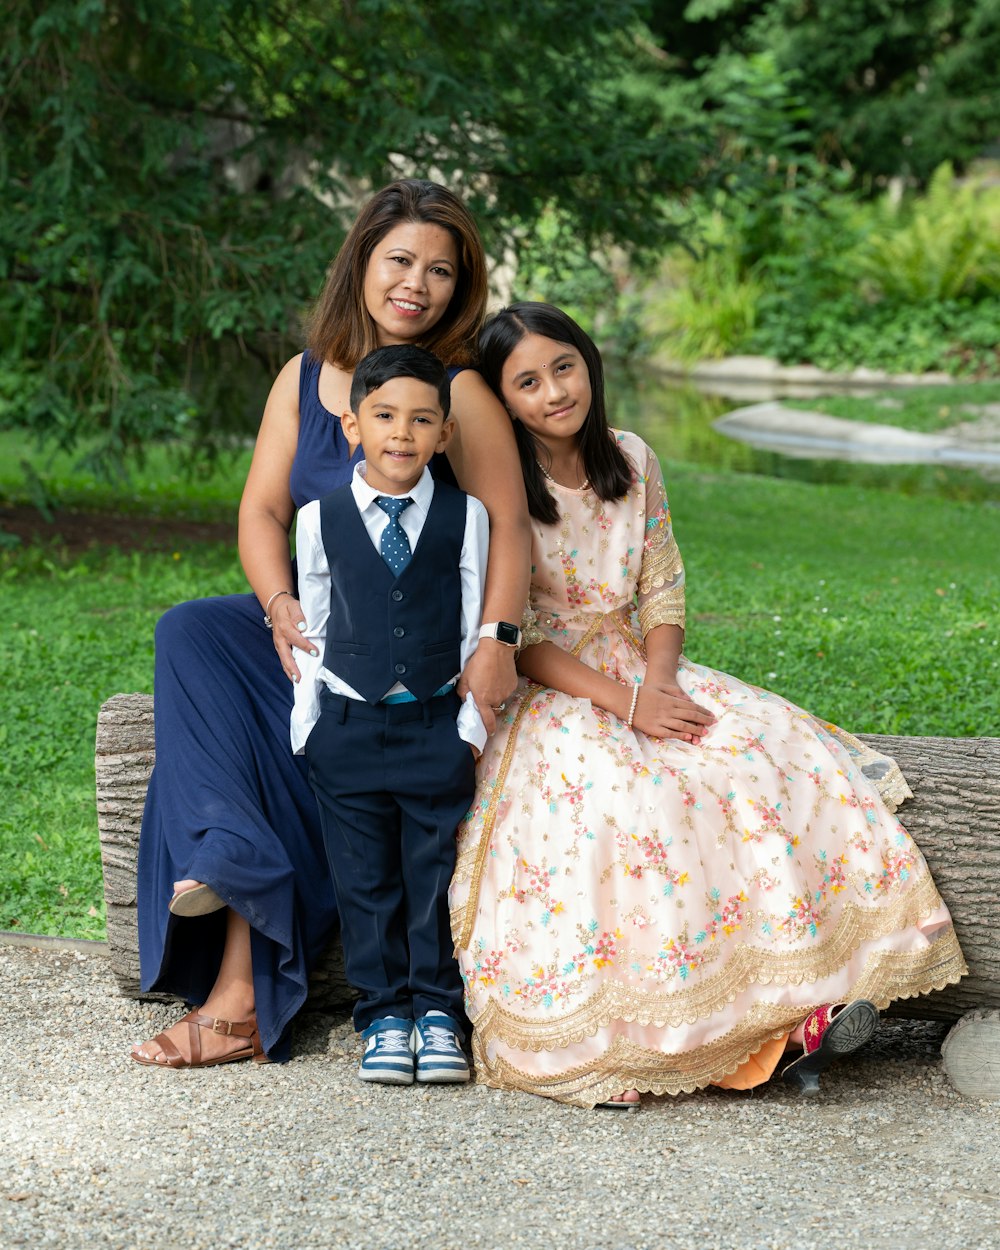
x,y
669,876
235,896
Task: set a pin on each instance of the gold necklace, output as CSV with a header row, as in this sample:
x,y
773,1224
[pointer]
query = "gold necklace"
x,y
584,485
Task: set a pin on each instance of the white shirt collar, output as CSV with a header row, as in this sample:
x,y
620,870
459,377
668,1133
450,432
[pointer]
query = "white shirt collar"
x,y
365,495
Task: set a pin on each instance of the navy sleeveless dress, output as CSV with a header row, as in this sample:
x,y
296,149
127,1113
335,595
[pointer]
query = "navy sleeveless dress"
x,y
228,803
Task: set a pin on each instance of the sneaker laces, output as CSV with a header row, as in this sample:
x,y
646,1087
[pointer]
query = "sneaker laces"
x,y
394,1041
438,1038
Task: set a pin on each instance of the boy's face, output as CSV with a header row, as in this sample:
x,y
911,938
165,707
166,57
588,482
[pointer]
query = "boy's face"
x,y
400,426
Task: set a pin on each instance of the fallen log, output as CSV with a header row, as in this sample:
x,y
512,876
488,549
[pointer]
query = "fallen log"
x,y
954,817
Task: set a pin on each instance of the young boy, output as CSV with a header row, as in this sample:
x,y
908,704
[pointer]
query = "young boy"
x,y
391,573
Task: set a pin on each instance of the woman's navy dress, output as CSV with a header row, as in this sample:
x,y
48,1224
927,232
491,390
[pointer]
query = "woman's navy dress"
x,y
228,803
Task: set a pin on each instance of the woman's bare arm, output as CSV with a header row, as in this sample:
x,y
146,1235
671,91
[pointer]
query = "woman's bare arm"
x,y
266,512
484,457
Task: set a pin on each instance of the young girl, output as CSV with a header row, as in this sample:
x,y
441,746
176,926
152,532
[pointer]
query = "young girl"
x,y
669,876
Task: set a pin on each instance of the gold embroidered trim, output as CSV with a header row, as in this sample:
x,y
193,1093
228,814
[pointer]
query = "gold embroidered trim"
x,y
531,634
661,565
746,966
881,770
665,608
626,1065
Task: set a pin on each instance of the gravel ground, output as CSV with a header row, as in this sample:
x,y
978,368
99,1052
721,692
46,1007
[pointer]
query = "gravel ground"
x,y
99,1152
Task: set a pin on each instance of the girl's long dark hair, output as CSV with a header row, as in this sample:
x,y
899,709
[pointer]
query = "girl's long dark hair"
x,y
604,462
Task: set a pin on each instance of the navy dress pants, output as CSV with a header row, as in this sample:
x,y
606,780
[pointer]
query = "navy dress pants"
x,y
393,781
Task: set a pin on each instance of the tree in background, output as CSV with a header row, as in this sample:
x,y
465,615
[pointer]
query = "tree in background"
x,y
176,174
895,87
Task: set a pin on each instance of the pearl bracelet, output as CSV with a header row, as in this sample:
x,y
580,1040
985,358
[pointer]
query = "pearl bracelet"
x,y
635,699
267,607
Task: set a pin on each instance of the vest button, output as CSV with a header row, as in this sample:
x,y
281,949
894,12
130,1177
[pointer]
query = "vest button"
x,y
400,669
398,632
397,595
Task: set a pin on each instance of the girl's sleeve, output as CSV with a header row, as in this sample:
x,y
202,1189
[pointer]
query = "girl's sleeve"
x,y
661,577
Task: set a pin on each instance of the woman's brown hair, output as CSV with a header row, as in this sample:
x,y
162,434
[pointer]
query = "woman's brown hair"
x,y
341,331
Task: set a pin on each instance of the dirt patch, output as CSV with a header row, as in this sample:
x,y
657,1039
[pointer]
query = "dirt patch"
x,y
78,532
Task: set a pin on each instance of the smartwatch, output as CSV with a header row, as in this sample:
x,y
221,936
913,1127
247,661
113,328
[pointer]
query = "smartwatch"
x,y
503,631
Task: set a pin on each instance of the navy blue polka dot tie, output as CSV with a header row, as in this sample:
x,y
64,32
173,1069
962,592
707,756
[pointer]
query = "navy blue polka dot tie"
x,y
395,546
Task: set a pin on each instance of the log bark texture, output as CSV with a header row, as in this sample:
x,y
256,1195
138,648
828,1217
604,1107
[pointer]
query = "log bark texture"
x,y
954,818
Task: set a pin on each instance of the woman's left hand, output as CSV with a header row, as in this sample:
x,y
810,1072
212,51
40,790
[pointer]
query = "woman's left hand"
x,y
491,676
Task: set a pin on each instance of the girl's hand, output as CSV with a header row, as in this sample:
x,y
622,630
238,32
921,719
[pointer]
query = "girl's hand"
x,y
491,676
663,710
288,630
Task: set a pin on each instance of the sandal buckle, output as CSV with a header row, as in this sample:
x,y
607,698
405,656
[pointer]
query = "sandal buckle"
x,y
222,1026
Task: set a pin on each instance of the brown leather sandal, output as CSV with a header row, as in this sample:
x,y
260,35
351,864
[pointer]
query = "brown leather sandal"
x,y
195,1021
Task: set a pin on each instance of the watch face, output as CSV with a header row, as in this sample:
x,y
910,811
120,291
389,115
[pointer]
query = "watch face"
x,y
506,632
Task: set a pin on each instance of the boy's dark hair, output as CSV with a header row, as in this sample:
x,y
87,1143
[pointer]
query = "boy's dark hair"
x,y
401,360
604,462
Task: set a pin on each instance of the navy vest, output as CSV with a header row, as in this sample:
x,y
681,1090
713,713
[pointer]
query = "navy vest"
x,y
382,628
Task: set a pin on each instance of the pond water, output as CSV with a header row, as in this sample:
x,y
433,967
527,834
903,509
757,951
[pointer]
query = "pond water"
x,y
676,420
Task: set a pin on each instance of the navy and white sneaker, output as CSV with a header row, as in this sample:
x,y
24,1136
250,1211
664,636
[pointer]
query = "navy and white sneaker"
x,y
437,1042
388,1056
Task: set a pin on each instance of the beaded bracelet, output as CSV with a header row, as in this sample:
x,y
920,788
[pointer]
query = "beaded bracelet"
x,y
267,607
635,699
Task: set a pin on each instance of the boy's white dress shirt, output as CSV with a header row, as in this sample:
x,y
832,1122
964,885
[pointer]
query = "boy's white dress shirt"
x,y
314,597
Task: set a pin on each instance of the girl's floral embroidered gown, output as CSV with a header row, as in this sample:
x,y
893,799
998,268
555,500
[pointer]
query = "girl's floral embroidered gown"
x,y
631,912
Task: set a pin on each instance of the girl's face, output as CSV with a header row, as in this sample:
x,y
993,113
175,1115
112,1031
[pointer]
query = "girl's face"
x,y
546,386
410,280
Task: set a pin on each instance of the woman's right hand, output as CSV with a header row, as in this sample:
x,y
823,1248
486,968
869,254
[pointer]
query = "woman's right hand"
x,y
288,626
665,711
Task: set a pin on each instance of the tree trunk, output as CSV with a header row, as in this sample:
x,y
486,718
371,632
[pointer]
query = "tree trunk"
x,y
954,818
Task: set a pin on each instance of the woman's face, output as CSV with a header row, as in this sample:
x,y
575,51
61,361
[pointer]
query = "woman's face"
x,y
546,386
410,280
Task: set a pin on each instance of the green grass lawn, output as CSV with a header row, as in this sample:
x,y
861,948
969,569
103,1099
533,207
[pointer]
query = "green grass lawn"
x,y
874,610
166,484
924,409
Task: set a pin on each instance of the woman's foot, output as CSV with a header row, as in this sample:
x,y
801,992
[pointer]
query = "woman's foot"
x,y
231,1001
194,898
200,1040
622,1102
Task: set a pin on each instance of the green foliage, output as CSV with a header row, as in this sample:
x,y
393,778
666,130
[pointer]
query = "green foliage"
x,y
954,336
709,301
895,89
174,178
906,287
942,246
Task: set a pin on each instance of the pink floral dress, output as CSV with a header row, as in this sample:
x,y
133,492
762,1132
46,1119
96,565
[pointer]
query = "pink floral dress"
x,y
632,912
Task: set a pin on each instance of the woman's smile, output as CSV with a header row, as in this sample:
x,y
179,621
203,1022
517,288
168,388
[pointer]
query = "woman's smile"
x,y
410,279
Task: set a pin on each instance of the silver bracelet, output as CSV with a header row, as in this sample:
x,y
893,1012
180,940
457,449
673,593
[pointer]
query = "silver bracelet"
x,y
635,699
267,607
